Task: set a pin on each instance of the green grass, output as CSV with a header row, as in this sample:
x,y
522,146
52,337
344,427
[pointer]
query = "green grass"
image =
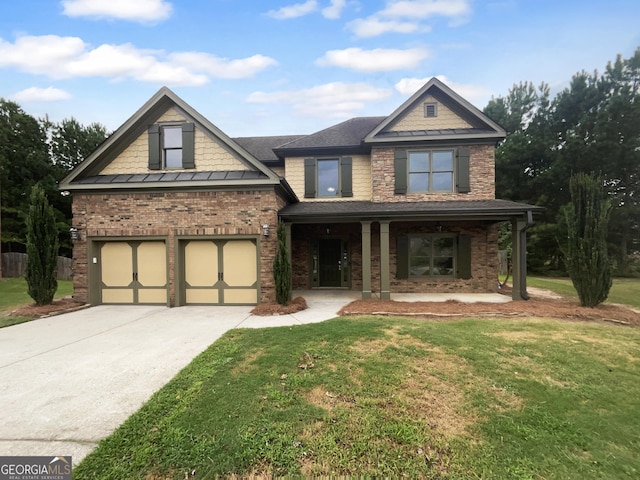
x,y
13,293
623,290
494,399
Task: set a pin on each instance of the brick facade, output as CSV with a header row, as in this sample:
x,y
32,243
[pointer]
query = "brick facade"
x,y
171,215
484,255
481,174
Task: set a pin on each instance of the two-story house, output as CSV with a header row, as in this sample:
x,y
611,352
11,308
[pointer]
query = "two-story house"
x,y
170,210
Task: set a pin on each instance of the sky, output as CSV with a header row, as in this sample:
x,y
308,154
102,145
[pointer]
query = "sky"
x,y
267,67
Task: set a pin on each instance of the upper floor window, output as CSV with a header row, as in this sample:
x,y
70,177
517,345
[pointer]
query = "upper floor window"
x,y
425,171
171,146
327,177
431,171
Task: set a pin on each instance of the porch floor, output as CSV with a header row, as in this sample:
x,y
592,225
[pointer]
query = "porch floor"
x,y
319,294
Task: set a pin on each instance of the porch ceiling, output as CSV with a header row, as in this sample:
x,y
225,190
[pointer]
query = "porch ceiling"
x,y
354,211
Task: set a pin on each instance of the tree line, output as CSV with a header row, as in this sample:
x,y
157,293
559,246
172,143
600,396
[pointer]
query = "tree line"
x,y
592,126
37,151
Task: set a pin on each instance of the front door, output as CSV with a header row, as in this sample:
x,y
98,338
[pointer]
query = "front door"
x,y
330,262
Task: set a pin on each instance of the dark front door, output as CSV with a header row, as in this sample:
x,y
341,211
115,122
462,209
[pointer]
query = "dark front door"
x,y
330,262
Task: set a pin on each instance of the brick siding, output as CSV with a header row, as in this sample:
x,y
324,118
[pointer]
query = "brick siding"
x,y
171,215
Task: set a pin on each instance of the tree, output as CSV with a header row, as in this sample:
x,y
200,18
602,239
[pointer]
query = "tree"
x,y
71,142
586,257
282,269
42,248
24,161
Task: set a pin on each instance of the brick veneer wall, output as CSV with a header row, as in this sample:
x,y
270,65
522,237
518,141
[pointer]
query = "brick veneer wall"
x,y
484,258
174,214
484,255
481,174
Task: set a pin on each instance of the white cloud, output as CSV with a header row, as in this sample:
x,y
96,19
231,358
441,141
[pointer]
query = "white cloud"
x,y
373,26
134,10
404,16
334,10
331,100
294,11
468,91
377,60
69,57
427,8
223,67
36,94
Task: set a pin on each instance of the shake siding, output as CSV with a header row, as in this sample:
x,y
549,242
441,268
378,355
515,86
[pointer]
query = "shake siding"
x,y
415,120
209,155
361,177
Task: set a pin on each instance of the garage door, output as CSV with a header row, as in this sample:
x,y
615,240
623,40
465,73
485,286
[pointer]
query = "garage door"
x,y
220,272
133,272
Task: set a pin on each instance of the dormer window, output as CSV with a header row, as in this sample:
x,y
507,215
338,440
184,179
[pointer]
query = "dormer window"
x,y
171,146
430,110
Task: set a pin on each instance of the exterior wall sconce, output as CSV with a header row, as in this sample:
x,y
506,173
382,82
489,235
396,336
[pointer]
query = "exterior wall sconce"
x,y
75,234
265,229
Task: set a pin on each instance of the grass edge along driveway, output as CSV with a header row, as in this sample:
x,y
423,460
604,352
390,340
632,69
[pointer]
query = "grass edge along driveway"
x,y
519,399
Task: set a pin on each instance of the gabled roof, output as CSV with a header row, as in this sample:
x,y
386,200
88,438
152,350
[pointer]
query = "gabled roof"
x,y
482,126
345,136
135,126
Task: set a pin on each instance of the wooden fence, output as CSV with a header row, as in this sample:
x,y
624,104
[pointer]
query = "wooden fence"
x,y
15,264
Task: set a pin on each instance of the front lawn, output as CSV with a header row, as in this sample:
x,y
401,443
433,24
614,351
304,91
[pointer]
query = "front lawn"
x,y
13,294
623,290
384,397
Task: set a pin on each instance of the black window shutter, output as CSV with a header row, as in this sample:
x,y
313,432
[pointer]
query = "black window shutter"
x,y
309,178
402,257
346,176
400,164
464,256
462,171
155,158
188,145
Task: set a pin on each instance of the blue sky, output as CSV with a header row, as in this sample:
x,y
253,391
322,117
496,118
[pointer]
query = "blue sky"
x,y
289,67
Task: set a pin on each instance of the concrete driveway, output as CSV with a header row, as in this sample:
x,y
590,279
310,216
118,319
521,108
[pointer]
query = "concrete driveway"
x,y
68,381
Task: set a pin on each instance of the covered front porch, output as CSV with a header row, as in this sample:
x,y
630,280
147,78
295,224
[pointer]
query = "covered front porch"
x,y
384,250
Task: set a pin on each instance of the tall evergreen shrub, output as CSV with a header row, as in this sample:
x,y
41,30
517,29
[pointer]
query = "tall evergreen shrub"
x,y
586,256
282,269
42,248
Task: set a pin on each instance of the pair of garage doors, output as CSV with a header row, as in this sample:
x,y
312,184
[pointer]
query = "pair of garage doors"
x,y
210,272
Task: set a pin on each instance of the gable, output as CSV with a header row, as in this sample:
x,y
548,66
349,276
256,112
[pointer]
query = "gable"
x,y
415,119
210,154
449,117
136,155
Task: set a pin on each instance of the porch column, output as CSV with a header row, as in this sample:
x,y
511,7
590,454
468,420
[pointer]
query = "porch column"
x,y
287,242
385,292
519,228
366,260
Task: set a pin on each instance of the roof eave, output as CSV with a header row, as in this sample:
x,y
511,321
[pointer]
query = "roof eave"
x,y
168,185
434,138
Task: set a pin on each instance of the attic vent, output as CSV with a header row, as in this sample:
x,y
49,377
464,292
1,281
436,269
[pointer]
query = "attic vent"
x,y
430,110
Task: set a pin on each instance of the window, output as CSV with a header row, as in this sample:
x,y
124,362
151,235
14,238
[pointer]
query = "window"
x,y
431,255
431,171
327,177
171,146
430,110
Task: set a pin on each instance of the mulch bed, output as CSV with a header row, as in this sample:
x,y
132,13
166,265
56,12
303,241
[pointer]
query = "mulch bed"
x,y
535,307
64,305
271,308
